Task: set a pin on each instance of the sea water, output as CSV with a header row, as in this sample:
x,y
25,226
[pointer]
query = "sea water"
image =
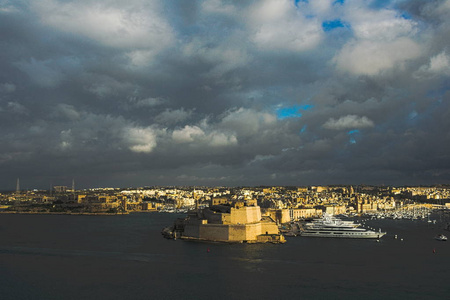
x,y
126,257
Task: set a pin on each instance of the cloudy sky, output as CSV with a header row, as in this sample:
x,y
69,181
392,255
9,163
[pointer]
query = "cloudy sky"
x,y
275,92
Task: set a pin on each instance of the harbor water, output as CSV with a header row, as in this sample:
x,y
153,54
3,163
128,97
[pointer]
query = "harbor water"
x,y
125,257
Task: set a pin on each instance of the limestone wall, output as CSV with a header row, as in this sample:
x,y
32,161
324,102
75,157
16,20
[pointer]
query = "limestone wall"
x,y
270,228
279,215
283,216
226,218
249,232
231,232
192,230
213,217
237,232
244,215
252,231
214,232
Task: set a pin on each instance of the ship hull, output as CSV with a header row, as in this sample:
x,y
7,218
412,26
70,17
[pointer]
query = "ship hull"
x,y
345,235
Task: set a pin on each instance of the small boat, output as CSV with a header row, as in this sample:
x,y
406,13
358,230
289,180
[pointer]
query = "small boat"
x,y
441,237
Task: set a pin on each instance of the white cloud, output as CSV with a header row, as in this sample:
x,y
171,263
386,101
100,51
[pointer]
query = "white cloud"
x,y
383,40
438,65
382,25
140,139
66,139
7,7
320,8
67,112
218,7
187,134
224,56
322,5
136,25
437,10
140,58
371,58
246,122
271,10
261,158
278,25
215,138
220,139
348,122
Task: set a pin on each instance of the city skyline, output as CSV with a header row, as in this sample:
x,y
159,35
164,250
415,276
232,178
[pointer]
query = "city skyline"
x,y
65,187
219,93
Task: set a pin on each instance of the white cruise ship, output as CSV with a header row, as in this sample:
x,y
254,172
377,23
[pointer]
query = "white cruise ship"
x,y
330,226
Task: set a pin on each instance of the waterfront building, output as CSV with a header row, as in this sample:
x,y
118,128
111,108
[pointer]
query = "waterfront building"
x,y
304,213
335,209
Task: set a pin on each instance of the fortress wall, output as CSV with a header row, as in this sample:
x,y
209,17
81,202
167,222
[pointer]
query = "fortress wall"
x,y
270,228
226,219
214,232
229,233
247,214
247,232
237,232
192,230
252,231
213,217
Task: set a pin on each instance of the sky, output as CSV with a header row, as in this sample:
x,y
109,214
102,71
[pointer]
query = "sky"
x,y
134,93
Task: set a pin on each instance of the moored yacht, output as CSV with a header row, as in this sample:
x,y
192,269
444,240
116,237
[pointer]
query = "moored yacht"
x,y
330,226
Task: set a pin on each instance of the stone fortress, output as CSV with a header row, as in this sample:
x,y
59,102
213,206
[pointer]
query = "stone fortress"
x,y
237,221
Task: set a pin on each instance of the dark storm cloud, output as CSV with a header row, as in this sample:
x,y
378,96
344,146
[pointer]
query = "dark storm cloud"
x,y
191,92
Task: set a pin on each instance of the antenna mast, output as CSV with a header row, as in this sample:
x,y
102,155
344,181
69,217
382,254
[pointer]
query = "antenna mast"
x,y
73,188
17,187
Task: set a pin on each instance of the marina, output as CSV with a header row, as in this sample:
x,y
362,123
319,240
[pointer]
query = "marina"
x,y
410,213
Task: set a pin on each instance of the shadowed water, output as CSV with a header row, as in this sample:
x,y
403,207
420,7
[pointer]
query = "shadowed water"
x,y
125,257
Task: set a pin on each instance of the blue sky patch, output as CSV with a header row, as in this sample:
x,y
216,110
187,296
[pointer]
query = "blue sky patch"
x,y
288,112
406,16
333,24
377,4
303,128
306,106
299,1
339,2
292,111
353,135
